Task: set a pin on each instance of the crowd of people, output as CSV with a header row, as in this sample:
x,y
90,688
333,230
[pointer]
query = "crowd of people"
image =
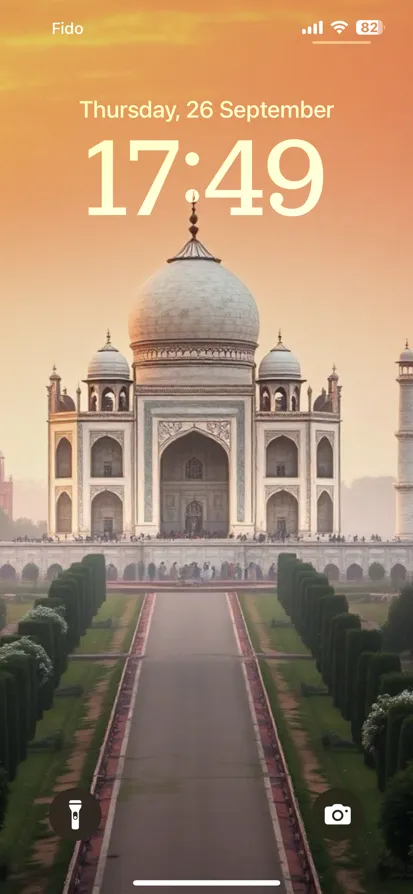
x,y
278,537
193,572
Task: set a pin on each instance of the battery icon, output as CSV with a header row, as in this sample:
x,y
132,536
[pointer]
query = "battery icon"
x,y
369,26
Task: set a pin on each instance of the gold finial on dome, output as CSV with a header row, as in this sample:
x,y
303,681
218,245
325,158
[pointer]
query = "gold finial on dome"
x,y
108,337
279,337
193,220
407,343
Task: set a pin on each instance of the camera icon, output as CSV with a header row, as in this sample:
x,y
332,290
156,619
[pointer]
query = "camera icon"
x,y
337,815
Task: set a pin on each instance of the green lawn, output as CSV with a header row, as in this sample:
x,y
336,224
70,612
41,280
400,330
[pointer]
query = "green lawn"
x,y
317,715
282,639
100,639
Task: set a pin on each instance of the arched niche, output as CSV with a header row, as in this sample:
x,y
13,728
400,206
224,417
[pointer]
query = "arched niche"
x,y
64,514
30,572
194,469
107,515
280,400
64,459
295,400
123,402
398,574
332,572
111,572
325,514
93,400
282,514
108,404
265,399
376,571
106,458
7,572
325,459
53,571
354,572
282,458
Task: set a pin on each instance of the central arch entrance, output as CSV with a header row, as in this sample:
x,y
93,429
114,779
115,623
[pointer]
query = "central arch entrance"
x,y
194,487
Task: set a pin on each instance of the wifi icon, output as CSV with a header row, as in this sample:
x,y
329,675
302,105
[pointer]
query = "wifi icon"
x,y
339,27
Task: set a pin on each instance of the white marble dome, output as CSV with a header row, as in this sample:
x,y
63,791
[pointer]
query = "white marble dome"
x,y
108,364
279,363
194,298
406,355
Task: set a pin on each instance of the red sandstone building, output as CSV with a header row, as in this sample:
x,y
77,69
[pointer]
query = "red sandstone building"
x,y
6,490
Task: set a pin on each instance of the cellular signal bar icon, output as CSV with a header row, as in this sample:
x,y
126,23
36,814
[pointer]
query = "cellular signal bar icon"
x,y
316,28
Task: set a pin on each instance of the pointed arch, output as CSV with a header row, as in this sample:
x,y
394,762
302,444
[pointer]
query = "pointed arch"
x,y
282,458
332,572
64,514
282,514
325,459
325,514
106,458
398,574
108,400
123,399
7,572
280,400
107,514
63,459
193,452
30,572
53,571
354,572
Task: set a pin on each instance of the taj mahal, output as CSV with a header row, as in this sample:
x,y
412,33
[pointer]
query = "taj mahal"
x,y
191,438
192,452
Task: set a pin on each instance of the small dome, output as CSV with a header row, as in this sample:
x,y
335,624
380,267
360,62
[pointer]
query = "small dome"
x,y
66,403
279,363
108,364
406,356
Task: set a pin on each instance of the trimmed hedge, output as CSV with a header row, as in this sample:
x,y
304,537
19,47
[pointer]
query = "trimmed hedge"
x,y
397,714
330,607
405,754
12,731
396,816
18,665
382,663
392,684
359,709
341,624
357,642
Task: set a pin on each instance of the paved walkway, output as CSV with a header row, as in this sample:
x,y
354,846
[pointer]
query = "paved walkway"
x,y
192,803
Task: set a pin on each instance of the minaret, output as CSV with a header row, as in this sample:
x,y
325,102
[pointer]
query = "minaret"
x,y
404,485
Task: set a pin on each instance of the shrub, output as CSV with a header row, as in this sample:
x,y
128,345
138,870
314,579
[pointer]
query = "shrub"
x,y
12,729
4,795
395,718
359,709
396,815
285,567
3,613
65,589
398,630
18,664
4,743
357,641
392,684
405,754
341,624
96,562
330,606
382,663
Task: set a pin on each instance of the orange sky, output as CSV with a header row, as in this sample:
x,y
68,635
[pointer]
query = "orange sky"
x,y
337,280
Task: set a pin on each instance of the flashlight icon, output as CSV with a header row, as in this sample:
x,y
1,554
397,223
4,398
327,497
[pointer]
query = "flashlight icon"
x,y
75,808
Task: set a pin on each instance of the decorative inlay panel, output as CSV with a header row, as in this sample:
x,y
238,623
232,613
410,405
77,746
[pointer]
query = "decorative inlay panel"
x,y
118,436
63,489
200,351
328,488
80,475
62,434
220,429
167,430
319,435
96,489
271,489
272,435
